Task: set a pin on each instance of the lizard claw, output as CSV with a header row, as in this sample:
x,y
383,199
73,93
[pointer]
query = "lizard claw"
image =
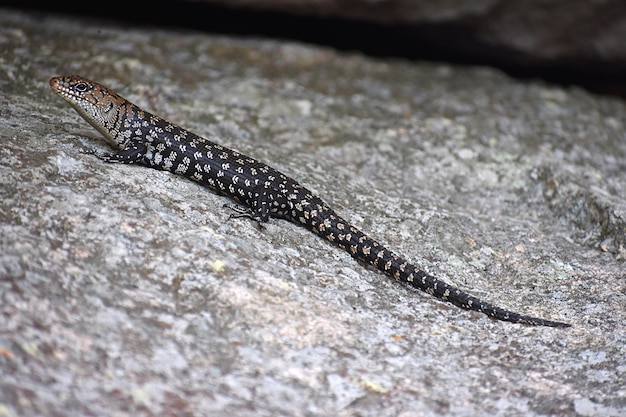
x,y
243,211
102,156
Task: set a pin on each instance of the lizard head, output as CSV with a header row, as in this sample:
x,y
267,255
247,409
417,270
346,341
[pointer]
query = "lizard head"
x,y
97,104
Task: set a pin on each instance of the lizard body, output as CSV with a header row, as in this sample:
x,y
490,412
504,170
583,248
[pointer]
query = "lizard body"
x,y
143,138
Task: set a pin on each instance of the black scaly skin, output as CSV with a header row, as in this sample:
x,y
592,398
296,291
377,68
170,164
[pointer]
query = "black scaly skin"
x,y
142,138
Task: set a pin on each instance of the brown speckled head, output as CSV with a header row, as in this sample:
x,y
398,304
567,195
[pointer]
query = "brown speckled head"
x,y
94,102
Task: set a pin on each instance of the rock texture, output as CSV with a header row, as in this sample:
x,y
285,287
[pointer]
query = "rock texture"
x,y
126,291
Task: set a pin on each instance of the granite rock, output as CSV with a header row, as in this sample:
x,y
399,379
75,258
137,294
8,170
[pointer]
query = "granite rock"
x,y
126,291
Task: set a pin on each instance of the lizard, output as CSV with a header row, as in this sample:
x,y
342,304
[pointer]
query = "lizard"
x,y
262,192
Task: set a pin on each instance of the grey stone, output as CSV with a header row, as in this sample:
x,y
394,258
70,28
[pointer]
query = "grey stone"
x,y
126,291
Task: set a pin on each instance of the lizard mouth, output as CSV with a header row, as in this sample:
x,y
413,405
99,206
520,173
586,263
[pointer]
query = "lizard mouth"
x,y
70,91
58,86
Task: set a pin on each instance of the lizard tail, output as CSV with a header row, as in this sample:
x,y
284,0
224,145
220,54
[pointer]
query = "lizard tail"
x,y
366,249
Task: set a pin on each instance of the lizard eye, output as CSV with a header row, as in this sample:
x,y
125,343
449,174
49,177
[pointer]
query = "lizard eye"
x,y
81,86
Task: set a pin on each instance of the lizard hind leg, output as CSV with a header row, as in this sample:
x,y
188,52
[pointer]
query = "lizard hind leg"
x,y
258,207
240,211
267,202
243,211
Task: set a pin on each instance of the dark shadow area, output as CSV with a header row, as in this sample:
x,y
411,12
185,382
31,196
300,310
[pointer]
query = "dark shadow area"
x,y
432,42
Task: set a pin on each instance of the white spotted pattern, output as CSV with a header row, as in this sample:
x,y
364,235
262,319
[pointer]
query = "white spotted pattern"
x,y
146,139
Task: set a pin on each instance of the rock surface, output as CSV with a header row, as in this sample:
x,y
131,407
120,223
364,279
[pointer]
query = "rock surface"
x,y
126,291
